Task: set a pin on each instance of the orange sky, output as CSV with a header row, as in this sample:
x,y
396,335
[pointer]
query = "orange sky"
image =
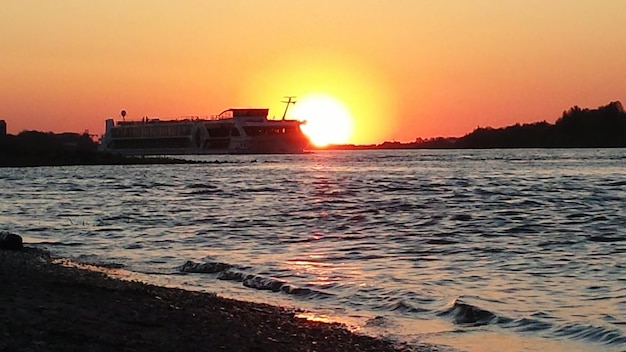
x,y
404,68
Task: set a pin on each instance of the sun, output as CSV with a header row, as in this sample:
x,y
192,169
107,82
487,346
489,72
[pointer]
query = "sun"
x,y
326,119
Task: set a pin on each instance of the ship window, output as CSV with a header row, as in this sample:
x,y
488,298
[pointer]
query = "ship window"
x,y
252,131
219,132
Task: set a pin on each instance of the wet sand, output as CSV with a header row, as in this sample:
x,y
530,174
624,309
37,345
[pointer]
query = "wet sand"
x,y
46,306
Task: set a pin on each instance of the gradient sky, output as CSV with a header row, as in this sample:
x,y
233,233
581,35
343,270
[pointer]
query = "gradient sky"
x,y
404,68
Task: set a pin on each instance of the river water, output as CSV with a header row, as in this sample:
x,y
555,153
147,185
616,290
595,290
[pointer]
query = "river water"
x,y
476,250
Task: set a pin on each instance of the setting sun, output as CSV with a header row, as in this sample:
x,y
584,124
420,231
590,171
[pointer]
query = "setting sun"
x,y
326,119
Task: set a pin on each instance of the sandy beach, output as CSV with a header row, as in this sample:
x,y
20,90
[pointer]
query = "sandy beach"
x,y
46,306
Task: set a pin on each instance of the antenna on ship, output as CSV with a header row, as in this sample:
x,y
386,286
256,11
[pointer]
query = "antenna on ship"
x,y
289,101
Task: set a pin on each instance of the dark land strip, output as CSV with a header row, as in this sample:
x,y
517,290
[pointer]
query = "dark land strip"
x,y
46,306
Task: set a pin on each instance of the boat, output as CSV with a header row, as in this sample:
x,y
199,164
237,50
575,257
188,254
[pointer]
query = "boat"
x,y
233,131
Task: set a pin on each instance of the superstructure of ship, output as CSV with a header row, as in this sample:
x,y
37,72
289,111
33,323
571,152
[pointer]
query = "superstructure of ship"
x,y
233,131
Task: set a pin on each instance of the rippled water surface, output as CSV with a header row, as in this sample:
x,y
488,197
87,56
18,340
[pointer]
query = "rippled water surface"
x,y
522,248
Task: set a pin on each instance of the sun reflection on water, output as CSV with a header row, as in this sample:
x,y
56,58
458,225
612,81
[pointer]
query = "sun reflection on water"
x,y
314,317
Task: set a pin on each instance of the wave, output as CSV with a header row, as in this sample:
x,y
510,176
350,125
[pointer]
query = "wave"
x,y
461,217
466,314
601,238
527,325
206,268
202,185
230,272
404,307
205,191
441,241
616,184
59,243
92,260
202,188
591,333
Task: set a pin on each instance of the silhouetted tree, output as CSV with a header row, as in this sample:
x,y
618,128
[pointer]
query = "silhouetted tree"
x,y
577,127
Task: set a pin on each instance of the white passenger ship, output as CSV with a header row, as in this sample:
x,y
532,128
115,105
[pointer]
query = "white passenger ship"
x,y
233,131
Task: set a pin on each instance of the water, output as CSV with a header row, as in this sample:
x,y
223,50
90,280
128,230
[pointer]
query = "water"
x,y
489,250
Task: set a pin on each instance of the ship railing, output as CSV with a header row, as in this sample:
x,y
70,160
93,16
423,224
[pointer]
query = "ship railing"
x,y
148,120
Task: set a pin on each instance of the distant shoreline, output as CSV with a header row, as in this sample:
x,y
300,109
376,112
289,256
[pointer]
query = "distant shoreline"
x,y
408,146
96,159
101,158
92,159
33,149
604,127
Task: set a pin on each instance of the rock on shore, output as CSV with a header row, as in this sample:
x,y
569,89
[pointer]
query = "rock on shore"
x,y
10,241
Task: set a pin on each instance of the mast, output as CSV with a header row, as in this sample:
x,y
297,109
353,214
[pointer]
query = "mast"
x,y
289,101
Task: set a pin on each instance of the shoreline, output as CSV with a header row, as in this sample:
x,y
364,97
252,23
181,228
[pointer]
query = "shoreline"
x,y
52,307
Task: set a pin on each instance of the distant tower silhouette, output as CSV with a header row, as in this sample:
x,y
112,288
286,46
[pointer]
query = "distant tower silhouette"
x,y
123,113
3,128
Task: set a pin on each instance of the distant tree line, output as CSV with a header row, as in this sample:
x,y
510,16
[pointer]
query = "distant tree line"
x,y
33,148
604,127
42,142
